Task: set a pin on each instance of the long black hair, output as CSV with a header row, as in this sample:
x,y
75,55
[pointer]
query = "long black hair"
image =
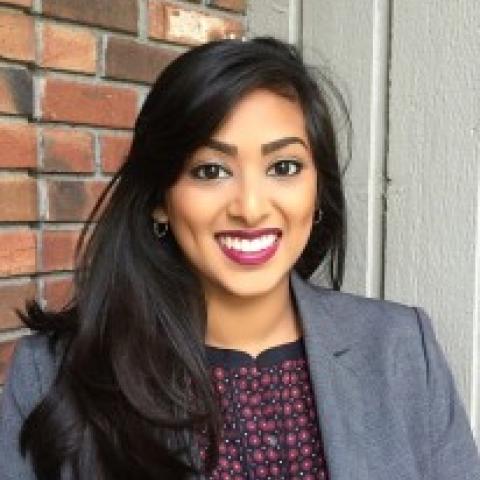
x,y
133,385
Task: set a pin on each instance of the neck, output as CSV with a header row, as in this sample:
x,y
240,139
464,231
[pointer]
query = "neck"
x,y
252,324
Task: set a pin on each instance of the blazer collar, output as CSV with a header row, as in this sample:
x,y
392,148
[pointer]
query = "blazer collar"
x,y
331,328
329,344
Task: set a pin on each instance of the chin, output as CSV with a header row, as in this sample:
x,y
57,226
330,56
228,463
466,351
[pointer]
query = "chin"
x,y
249,284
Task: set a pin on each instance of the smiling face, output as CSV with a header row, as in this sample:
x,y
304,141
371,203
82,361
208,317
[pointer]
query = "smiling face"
x,y
255,173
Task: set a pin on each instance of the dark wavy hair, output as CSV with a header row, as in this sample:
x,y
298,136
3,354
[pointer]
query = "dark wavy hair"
x,y
133,385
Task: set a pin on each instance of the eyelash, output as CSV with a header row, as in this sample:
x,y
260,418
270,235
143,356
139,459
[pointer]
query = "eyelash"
x,y
200,168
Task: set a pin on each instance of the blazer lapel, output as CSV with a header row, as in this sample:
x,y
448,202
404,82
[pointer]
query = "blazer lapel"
x,y
336,387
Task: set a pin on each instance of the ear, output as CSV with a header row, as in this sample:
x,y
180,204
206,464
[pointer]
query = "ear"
x,y
160,215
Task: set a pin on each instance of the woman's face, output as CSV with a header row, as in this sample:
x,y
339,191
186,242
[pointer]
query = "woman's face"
x,y
256,172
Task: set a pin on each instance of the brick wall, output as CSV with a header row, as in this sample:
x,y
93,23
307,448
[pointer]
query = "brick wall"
x,y
73,75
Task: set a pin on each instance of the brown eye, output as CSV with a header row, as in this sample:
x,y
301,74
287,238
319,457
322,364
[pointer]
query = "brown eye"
x,y
286,168
209,171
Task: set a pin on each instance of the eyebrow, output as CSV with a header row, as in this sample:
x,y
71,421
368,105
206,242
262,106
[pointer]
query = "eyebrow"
x,y
267,148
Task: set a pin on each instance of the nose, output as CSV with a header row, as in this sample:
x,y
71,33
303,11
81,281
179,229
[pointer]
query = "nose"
x,y
250,203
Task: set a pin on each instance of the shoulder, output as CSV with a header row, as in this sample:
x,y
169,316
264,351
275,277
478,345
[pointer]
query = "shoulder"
x,y
32,370
378,333
385,343
363,316
29,377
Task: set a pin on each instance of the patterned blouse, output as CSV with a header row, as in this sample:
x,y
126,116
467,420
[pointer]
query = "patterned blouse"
x,y
270,428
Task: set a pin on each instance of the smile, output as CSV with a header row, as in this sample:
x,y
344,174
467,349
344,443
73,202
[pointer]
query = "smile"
x,y
249,248
244,245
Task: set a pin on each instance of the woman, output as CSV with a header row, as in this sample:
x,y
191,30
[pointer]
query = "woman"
x,y
195,347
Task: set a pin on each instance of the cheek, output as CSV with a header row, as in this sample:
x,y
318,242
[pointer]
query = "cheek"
x,y
188,213
301,206
302,211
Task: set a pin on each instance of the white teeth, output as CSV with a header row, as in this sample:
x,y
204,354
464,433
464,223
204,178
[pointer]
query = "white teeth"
x,y
245,245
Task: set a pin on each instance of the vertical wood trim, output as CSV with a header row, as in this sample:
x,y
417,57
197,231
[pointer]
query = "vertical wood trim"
x,y
295,23
475,393
378,150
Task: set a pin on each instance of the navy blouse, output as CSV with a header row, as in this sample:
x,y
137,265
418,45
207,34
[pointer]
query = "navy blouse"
x,y
270,429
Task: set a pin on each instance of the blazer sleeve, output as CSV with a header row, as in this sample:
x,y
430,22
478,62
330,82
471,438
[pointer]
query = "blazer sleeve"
x,y
454,454
20,394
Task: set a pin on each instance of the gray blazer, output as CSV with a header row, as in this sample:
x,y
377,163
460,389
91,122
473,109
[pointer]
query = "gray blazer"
x,y
386,401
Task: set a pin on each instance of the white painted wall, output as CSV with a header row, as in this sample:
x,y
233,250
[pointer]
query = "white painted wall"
x,y
337,36
411,74
433,166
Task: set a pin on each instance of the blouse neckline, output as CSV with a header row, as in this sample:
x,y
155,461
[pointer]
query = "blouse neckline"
x,y
233,358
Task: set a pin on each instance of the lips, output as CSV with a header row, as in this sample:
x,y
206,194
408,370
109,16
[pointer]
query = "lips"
x,y
249,247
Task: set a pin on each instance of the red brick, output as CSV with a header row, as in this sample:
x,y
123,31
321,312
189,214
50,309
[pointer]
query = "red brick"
x,y
235,5
17,252
113,150
91,104
112,14
58,249
12,297
20,3
189,26
69,48
16,91
67,150
130,60
57,292
17,39
6,352
18,198
72,200
18,145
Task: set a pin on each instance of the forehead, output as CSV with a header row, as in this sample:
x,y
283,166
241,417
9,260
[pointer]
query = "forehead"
x,y
262,116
